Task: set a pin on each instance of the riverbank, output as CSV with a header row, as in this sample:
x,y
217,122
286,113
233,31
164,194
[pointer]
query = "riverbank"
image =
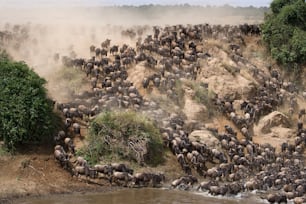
x,y
33,172
240,138
141,195
37,174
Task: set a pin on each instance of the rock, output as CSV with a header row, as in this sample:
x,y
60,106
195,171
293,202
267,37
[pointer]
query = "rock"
x,y
298,200
220,81
205,137
273,128
226,86
274,119
304,94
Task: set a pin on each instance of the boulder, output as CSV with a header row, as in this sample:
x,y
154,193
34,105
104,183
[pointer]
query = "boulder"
x,y
274,119
221,81
304,94
298,200
204,137
227,86
274,129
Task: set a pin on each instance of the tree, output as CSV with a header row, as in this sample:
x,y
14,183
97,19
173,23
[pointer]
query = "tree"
x,y
277,5
284,31
25,111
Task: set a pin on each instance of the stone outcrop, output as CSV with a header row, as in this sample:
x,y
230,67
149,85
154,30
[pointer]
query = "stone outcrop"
x,y
274,128
204,137
274,119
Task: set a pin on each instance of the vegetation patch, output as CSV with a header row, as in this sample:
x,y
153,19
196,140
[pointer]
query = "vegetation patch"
x,y
3,151
165,103
212,43
202,95
117,136
284,32
26,114
231,69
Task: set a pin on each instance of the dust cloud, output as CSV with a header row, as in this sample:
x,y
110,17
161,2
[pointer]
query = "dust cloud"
x,y
45,31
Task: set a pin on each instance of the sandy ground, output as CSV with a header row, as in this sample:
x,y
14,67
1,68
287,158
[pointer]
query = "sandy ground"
x,y
37,174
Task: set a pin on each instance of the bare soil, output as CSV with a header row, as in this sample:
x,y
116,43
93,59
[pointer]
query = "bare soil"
x,y
36,173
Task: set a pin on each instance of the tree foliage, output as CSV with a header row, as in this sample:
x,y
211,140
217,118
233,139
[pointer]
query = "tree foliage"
x,y
25,111
284,31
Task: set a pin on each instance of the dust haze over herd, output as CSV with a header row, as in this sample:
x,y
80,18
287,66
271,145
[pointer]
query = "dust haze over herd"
x,y
72,26
39,3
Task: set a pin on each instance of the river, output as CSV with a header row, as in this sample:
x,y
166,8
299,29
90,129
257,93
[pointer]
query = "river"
x,y
143,196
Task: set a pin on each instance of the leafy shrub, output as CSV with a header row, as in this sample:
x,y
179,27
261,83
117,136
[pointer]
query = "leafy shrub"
x,y
25,111
116,135
3,151
284,32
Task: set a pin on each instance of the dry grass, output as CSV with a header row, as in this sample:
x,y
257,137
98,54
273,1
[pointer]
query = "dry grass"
x,y
202,96
233,70
165,103
213,43
255,49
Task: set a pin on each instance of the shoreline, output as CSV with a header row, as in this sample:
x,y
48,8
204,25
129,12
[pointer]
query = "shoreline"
x,y
82,189
38,174
88,192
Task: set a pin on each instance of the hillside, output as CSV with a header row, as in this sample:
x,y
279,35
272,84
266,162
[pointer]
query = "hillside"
x,y
216,96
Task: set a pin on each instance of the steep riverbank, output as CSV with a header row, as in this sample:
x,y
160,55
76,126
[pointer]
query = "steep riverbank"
x,y
214,93
35,173
140,196
38,174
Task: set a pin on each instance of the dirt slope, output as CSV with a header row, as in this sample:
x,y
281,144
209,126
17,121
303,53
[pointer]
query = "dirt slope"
x,y
36,174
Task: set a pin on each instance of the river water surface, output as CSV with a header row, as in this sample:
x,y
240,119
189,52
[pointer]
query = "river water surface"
x,y
142,196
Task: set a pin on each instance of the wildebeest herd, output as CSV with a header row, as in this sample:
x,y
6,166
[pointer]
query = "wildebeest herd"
x,y
172,54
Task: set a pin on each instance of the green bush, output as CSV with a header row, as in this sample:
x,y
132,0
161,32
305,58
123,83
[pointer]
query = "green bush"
x,y
25,111
284,32
110,134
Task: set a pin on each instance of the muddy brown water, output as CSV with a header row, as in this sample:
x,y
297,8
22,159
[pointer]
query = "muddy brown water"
x,y
143,196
